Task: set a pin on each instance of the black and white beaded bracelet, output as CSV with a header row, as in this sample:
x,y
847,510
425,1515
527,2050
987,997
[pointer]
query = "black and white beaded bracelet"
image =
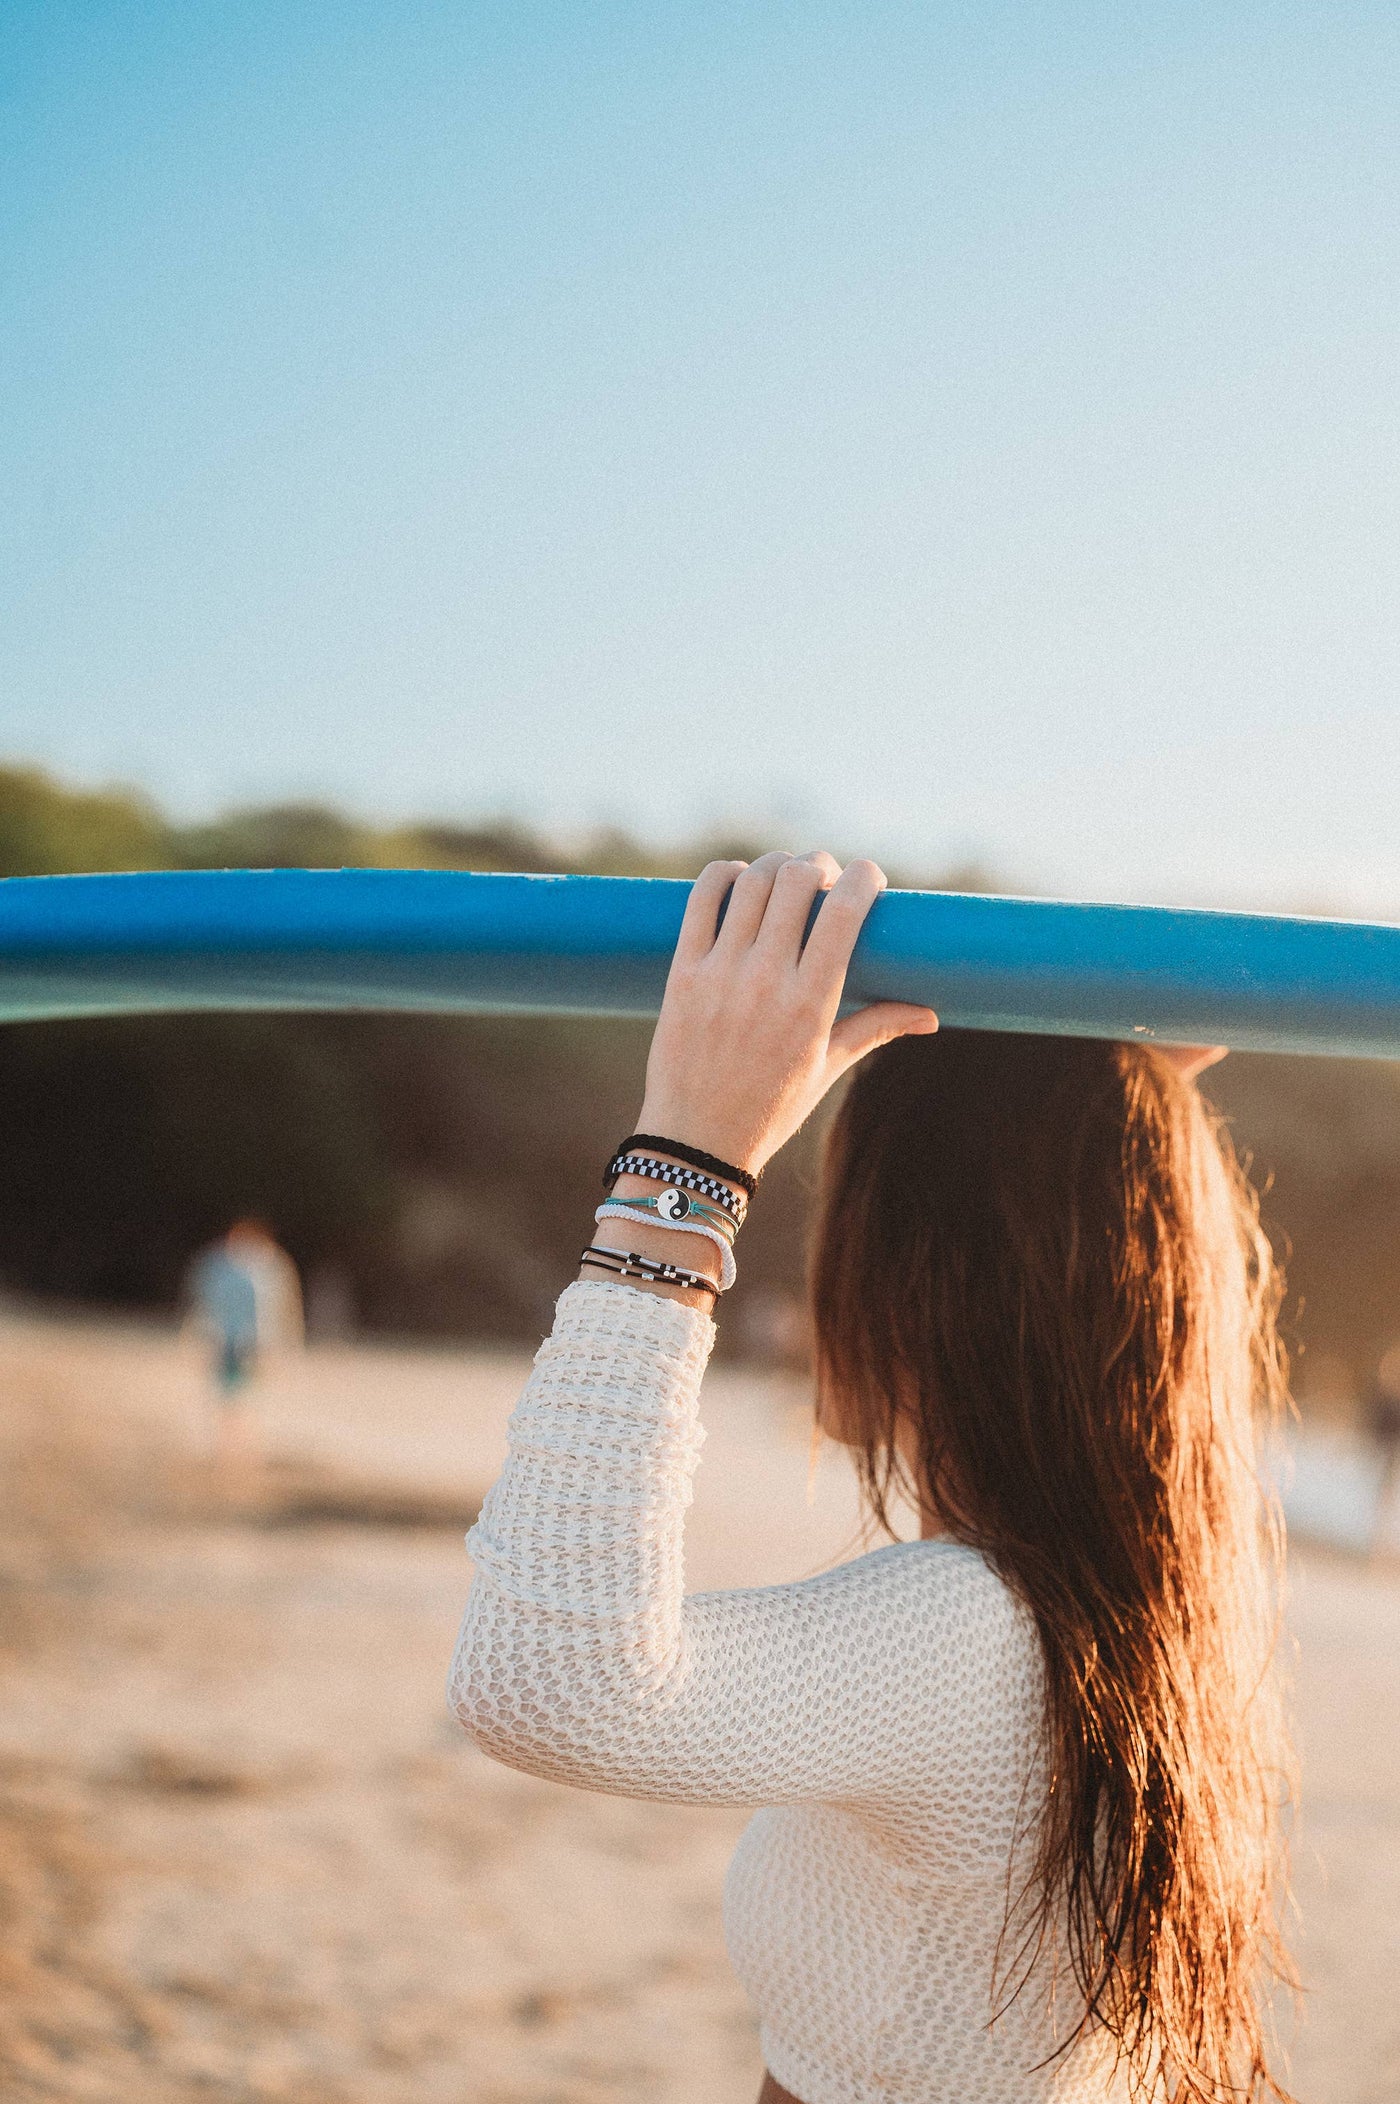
x,y
631,1264
647,1165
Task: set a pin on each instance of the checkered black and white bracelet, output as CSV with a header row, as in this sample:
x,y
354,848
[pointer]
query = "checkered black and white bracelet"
x,y
660,1143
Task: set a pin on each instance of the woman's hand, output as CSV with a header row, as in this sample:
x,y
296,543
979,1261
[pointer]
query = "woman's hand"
x,y
748,1040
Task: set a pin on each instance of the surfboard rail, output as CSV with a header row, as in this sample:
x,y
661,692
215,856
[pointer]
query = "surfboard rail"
x,y
461,942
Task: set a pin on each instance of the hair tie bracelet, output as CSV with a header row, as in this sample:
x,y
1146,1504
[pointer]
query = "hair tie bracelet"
x,y
631,1264
734,1203
636,1209
740,1178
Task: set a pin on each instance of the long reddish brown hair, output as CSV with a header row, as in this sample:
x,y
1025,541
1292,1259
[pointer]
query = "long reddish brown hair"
x,y
1039,1269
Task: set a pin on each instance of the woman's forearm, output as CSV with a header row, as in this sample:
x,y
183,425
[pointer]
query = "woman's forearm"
x,y
574,1617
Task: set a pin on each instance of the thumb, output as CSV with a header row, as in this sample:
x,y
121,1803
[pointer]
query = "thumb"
x,y
857,1034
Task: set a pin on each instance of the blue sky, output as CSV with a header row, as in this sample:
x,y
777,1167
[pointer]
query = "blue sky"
x,y
945,430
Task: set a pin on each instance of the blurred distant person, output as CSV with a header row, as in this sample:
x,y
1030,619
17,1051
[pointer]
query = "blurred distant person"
x,y
1383,1430
245,1297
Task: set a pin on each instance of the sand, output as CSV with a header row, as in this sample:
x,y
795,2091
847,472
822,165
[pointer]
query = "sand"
x,y
244,1853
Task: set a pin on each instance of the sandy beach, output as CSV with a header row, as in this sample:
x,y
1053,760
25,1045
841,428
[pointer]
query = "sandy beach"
x,y
245,1854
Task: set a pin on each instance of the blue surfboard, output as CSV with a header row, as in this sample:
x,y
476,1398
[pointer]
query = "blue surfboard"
x,y
455,942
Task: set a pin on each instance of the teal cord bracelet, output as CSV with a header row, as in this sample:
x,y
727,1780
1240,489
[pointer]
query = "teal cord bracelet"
x,y
673,1207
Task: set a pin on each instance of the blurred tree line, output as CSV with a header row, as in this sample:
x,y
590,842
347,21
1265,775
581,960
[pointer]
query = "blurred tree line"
x,y
439,1174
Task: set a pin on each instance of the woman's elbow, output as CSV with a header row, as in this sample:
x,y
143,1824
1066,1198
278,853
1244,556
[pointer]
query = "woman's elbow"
x,y
504,1717
477,1701
487,1687
576,1742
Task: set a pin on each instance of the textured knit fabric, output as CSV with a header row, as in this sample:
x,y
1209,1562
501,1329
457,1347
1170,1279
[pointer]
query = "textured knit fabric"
x,y
887,1716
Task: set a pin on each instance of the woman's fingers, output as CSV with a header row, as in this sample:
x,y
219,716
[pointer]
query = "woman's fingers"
x,y
826,863
743,916
707,894
789,906
857,1034
840,921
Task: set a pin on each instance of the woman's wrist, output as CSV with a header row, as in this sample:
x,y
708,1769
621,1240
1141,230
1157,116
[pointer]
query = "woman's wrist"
x,y
701,1130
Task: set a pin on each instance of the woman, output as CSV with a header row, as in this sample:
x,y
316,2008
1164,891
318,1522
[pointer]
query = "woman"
x,y
1019,1777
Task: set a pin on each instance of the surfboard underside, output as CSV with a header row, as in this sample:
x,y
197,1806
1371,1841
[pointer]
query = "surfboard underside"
x,y
454,942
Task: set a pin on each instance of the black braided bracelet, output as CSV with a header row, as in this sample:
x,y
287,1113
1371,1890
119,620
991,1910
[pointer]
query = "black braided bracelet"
x,y
740,1178
732,1202
630,1264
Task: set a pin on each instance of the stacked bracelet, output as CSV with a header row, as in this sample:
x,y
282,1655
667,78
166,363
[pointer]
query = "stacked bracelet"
x,y
703,1196
731,1201
630,1264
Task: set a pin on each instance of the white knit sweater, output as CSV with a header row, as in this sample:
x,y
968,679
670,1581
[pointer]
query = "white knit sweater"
x,y
886,1715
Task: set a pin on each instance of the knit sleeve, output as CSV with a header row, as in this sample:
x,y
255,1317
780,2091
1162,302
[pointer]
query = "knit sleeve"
x,y
580,1656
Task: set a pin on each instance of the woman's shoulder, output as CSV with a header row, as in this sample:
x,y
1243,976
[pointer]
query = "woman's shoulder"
x,y
953,1602
940,1566
932,1628
948,1590
932,1599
